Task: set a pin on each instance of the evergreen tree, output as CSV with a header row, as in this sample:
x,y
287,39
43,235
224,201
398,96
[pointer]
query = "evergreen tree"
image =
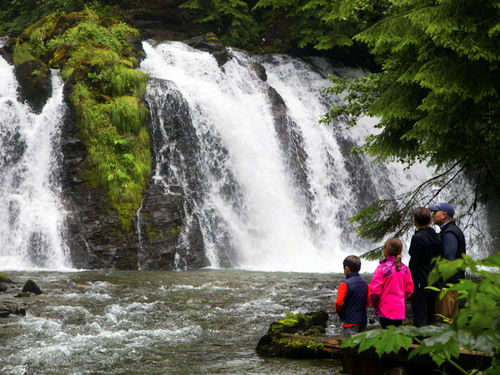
x,y
437,96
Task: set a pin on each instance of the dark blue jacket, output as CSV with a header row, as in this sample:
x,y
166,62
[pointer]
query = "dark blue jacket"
x,y
452,228
354,309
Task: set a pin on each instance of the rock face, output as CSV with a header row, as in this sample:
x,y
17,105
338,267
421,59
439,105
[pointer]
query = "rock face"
x,y
94,232
171,236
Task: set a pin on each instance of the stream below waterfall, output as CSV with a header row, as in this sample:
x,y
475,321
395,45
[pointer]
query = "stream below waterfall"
x,y
154,322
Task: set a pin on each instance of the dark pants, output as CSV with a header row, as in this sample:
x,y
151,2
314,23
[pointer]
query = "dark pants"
x,y
385,322
423,306
348,331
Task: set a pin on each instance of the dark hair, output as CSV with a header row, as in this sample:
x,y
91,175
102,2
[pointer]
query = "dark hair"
x,y
422,217
394,248
353,262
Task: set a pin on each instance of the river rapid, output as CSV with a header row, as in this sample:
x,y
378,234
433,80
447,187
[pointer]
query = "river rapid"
x,y
145,322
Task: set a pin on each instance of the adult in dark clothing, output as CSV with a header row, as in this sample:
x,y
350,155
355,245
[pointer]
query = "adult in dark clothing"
x,y
425,245
453,243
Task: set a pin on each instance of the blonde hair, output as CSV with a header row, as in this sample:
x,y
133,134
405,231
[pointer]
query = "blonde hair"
x,y
394,247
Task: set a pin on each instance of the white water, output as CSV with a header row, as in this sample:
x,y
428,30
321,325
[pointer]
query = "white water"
x,y
274,227
271,221
31,212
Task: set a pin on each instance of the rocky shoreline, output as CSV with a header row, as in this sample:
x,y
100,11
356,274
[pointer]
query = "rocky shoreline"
x,y
13,296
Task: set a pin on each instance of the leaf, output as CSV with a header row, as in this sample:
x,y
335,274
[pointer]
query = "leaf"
x,y
393,343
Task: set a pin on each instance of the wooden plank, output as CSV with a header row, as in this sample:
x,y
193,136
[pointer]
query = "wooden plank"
x,y
369,363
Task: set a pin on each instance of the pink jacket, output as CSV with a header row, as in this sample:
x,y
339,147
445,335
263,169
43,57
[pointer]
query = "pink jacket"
x,y
389,289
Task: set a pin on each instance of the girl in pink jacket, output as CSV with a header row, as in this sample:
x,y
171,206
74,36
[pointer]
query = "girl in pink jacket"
x,y
391,285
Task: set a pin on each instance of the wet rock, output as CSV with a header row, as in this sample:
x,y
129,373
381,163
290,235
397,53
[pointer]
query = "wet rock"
x,y
259,70
8,49
94,231
300,323
31,287
34,83
4,278
211,44
8,308
169,230
288,337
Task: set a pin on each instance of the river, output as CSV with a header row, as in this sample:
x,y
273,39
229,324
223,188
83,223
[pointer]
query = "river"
x,y
156,322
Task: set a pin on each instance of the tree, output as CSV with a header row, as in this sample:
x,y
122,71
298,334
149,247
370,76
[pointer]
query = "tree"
x,y
437,95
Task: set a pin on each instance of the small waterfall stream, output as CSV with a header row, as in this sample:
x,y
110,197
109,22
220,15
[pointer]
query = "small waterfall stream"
x,y
31,211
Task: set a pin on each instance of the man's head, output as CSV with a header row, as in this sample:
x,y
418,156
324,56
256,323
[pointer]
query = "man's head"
x,y
442,213
352,264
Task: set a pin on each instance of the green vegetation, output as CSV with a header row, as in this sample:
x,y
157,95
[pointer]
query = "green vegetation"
x,y
95,53
257,25
232,18
17,15
293,323
4,278
436,98
175,231
476,327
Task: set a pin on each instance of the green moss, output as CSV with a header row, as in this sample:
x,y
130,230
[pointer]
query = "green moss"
x,y
175,231
4,278
95,53
290,323
315,346
128,114
152,233
22,54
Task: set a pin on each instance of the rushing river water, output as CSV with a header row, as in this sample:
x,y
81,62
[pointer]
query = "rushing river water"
x,y
138,322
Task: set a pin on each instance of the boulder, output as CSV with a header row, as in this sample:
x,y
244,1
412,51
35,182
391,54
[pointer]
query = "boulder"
x,y
211,44
4,278
298,336
301,323
34,83
31,287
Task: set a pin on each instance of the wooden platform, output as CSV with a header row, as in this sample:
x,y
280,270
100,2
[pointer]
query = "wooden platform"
x,y
369,363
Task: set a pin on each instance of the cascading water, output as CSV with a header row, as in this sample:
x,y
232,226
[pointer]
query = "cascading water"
x,y
267,180
31,212
263,185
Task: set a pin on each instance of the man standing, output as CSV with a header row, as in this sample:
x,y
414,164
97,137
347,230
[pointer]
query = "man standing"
x,y
453,244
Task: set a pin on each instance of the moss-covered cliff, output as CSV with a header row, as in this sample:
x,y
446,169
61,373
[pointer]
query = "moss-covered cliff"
x,y
97,55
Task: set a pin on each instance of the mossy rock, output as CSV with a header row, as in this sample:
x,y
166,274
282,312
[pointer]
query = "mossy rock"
x,y
296,336
34,83
300,323
290,346
4,278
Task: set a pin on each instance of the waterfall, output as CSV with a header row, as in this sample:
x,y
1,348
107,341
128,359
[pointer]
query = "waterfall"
x,y
31,211
247,174
270,186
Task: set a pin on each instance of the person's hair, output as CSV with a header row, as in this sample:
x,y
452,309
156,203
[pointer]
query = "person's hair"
x,y
394,247
353,262
422,217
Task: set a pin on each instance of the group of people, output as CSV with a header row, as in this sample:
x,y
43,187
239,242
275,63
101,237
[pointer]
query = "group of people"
x,y
393,282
